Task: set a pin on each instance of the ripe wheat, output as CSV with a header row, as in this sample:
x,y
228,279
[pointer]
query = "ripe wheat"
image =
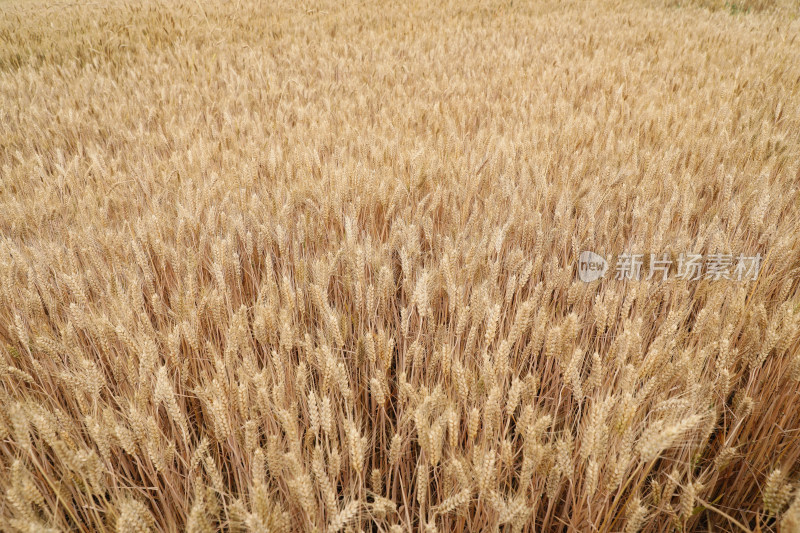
x,y
268,266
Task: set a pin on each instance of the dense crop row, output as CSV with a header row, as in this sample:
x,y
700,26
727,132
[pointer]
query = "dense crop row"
x,y
271,266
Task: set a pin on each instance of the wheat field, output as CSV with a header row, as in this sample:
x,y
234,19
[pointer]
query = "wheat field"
x,y
269,266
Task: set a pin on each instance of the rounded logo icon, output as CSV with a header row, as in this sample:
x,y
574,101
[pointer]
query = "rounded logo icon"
x,y
591,266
